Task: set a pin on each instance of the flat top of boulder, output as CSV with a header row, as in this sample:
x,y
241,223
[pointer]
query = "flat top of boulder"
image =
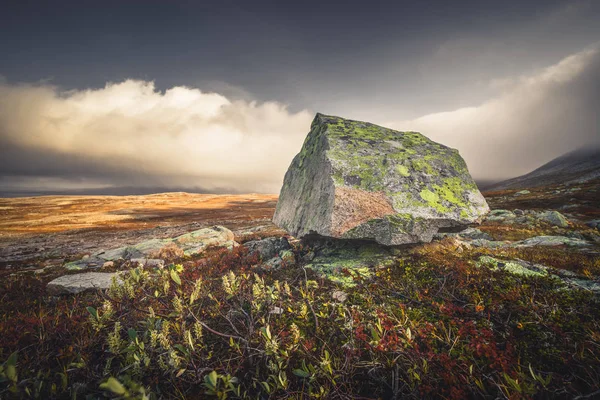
x,y
354,179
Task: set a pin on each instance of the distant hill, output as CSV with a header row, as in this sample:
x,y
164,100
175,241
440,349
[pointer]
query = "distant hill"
x,y
577,166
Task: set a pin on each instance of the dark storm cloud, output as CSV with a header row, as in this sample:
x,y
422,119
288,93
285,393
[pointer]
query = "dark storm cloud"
x,y
458,71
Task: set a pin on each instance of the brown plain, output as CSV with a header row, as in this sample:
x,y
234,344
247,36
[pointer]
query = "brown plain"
x,y
48,214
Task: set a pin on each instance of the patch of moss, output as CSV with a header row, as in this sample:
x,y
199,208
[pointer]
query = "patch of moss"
x,y
402,170
510,266
433,200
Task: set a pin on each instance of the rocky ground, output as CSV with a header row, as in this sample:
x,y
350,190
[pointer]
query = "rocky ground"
x,y
51,230
526,282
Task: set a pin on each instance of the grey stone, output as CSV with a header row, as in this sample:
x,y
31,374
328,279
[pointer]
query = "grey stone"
x,y
474,233
501,216
356,180
467,234
595,223
276,310
575,235
569,206
73,284
523,268
583,284
273,263
492,244
191,243
340,261
339,296
554,218
516,267
149,262
268,248
551,241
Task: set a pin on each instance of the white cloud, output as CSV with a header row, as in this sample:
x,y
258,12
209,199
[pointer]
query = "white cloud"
x,y
534,119
140,136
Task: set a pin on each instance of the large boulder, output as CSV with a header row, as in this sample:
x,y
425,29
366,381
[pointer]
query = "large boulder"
x,y
356,180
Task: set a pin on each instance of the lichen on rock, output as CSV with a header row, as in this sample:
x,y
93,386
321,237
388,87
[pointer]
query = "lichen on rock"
x,y
357,180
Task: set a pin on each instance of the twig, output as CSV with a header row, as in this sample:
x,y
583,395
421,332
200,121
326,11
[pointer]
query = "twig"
x,y
215,332
308,303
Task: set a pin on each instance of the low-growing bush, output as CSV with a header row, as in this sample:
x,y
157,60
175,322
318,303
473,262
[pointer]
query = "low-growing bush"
x,y
431,325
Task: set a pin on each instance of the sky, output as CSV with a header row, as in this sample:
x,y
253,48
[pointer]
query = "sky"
x,y
218,96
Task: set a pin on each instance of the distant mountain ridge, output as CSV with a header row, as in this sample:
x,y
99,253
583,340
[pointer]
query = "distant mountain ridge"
x,y
581,165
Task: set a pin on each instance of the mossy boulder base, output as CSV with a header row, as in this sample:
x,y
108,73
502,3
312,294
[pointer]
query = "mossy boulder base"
x,y
356,180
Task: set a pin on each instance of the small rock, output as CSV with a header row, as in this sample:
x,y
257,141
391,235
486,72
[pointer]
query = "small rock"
x,y
522,192
108,264
518,212
339,295
273,263
268,248
276,310
575,235
505,216
517,267
554,218
551,241
288,257
474,233
73,284
490,244
149,262
569,206
191,243
595,223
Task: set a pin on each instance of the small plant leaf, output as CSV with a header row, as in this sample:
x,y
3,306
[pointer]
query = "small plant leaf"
x,y
132,333
93,312
114,386
175,277
211,380
301,373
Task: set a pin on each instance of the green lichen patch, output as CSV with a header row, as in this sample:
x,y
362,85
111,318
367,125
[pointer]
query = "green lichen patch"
x,y
513,267
402,170
345,263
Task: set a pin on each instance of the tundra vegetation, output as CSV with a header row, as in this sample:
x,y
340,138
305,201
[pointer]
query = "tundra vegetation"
x,y
438,320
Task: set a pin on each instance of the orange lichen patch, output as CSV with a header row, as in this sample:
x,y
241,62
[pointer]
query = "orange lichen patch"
x,y
353,207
